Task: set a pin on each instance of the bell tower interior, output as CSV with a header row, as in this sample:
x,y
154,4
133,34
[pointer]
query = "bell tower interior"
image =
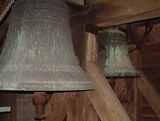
x,y
79,60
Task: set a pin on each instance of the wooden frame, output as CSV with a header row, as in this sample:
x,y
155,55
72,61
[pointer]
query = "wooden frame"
x,y
103,99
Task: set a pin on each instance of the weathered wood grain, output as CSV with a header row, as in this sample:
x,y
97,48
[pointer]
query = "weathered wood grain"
x,y
79,108
103,98
56,108
76,110
111,12
150,93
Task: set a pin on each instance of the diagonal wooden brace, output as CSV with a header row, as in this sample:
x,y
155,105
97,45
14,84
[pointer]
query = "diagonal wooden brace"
x,y
103,98
149,93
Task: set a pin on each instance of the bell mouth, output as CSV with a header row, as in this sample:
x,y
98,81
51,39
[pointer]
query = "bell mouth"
x,y
122,75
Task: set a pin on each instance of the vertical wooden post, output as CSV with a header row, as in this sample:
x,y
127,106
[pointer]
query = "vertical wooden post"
x,y
24,106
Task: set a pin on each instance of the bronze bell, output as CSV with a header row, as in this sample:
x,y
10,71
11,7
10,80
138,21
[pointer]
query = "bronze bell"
x,y
38,53
115,61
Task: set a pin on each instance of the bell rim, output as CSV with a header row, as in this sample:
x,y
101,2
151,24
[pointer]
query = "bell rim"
x,y
45,81
57,87
122,75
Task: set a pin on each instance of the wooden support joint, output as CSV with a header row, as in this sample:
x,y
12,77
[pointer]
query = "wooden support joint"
x,y
40,100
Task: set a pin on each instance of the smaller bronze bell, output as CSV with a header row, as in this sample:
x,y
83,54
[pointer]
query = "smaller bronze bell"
x,y
116,61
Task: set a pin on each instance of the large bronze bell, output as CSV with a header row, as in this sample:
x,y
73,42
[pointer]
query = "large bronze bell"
x,y
38,54
115,59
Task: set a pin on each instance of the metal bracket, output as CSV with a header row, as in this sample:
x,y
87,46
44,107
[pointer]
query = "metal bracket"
x,y
5,109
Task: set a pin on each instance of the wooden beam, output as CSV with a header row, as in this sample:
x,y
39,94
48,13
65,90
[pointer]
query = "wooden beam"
x,y
130,18
91,113
91,48
111,12
150,93
103,97
79,108
74,106
56,108
76,109
25,110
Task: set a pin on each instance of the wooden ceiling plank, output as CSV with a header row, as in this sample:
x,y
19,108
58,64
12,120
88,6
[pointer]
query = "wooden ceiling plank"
x,y
130,18
110,12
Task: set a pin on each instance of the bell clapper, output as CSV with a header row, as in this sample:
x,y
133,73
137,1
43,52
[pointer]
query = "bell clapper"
x,y
40,99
